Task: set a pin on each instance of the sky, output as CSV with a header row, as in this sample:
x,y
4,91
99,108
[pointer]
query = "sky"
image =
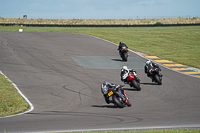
x,y
99,9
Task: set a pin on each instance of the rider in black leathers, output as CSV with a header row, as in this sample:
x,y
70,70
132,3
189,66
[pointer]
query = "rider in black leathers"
x,y
104,89
121,44
149,66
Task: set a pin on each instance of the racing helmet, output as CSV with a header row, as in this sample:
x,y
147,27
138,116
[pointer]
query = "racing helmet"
x,y
125,69
104,88
155,65
148,62
120,43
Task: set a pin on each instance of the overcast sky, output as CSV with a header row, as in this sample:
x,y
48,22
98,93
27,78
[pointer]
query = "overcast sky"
x,y
99,9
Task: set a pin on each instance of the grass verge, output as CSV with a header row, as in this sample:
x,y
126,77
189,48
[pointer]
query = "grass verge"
x,y
10,100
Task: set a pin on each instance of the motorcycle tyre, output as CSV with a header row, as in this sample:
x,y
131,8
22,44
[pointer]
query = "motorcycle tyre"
x,y
125,56
136,85
157,79
117,102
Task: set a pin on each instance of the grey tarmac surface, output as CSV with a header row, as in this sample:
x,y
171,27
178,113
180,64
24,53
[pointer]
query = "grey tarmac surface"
x,y
61,75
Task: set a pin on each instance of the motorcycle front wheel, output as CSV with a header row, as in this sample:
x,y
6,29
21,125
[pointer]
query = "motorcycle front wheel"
x,y
118,101
136,85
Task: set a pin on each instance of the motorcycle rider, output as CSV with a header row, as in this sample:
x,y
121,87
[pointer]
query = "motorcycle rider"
x,y
125,72
121,44
149,66
104,89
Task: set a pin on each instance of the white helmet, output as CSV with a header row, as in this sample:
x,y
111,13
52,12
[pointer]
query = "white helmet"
x,y
125,69
148,62
104,88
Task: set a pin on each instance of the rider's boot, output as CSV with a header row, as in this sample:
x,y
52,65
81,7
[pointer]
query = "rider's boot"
x,y
125,97
128,103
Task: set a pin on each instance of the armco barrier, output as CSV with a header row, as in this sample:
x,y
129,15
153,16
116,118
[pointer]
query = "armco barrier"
x,y
85,25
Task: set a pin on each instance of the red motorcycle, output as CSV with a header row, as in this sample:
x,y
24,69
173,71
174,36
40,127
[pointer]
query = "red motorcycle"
x,y
133,80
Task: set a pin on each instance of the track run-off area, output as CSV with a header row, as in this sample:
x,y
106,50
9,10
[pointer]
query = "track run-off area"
x,y
61,75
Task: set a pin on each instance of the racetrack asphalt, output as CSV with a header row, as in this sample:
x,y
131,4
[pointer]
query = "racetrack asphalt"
x,y
52,70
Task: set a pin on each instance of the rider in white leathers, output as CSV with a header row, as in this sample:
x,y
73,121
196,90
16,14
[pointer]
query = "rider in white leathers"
x,y
125,72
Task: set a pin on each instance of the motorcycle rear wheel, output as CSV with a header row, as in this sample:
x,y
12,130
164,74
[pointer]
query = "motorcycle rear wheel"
x,y
136,85
117,101
124,56
157,78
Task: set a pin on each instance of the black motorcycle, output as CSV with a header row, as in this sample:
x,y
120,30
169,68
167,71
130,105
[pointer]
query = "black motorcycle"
x,y
157,76
119,96
153,71
123,51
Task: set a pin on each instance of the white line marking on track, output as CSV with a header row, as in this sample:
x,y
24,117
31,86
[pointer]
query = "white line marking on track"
x,y
31,107
132,128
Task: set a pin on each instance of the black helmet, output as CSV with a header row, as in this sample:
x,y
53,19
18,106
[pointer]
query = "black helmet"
x,y
120,42
155,65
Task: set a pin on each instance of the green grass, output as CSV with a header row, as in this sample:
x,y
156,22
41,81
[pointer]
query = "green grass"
x,y
10,100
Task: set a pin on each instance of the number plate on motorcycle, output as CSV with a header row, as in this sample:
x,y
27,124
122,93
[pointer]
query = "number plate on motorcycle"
x,y
110,93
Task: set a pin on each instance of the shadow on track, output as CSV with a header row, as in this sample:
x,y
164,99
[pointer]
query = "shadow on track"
x,y
104,106
130,89
118,60
149,83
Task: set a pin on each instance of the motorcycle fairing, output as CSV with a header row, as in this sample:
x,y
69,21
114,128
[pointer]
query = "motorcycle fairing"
x,y
130,77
